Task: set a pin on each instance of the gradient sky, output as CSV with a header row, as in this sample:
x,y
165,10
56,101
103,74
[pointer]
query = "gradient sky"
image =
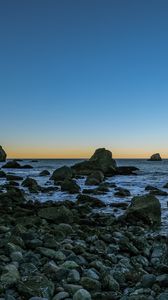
x,y
76,75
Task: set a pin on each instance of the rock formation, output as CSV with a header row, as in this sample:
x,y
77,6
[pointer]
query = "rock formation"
x,y
155,157
101,160
3,154
146,208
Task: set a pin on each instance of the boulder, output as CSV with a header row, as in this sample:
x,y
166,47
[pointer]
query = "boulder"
x,y
121,192
31,184
37,285
2,154
145,208
44,173
95,178
91,201
155,157
13,164
101,160
62,173
2,174
126,170
57,214
69,185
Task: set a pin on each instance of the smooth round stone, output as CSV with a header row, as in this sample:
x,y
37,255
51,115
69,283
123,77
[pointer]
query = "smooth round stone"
x,y
37,298
61,296
148,280
73,276
163,296
82,295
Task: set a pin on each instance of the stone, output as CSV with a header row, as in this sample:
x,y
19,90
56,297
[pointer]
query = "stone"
x,y
31,184
37,285
91,284
73,276
3,154
61,296
2,174
13,177
148,280
145,208
162,280
82,294
62,173
58,214
126,170
95,178
121,192
101,160
12,164
91,201
10,276
155,157
44,173
69,185
163,296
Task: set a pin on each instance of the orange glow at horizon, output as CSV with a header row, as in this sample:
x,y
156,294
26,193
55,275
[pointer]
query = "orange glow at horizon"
x,y
78,153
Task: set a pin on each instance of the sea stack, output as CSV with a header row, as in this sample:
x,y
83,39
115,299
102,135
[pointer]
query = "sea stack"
x,y
155,157
101,160
3,154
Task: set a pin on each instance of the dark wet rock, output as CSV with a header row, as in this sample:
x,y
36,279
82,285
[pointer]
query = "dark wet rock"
x,y
44,173
101,160
121,192
37,285
31,184
95,178
145,208
12,197
91,201
13,164
150,188
123,205
10,276
13,177
3,154
90,284
82,294
56,214
148,280
158,192
162,280
163,296
126,170
155,191
166,186
69,185
62,173
2,174
34,160
155,157
26,167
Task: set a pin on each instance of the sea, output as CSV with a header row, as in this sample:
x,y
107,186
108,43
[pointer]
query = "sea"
x,y
150,173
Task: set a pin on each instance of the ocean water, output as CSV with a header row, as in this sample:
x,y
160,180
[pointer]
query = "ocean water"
x,y
150,173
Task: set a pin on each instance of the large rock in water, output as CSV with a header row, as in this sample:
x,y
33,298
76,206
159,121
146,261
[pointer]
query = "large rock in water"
x,y
101,160
62,173
2,154
155,157
145,208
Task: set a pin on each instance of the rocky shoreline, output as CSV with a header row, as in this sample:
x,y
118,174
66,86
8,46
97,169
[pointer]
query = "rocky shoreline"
x,y
70,250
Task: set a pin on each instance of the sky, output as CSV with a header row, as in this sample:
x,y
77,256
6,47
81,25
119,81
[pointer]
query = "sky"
x,y
76,75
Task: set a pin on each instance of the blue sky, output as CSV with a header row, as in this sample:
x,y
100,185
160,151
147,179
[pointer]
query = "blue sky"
x,y
80,74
